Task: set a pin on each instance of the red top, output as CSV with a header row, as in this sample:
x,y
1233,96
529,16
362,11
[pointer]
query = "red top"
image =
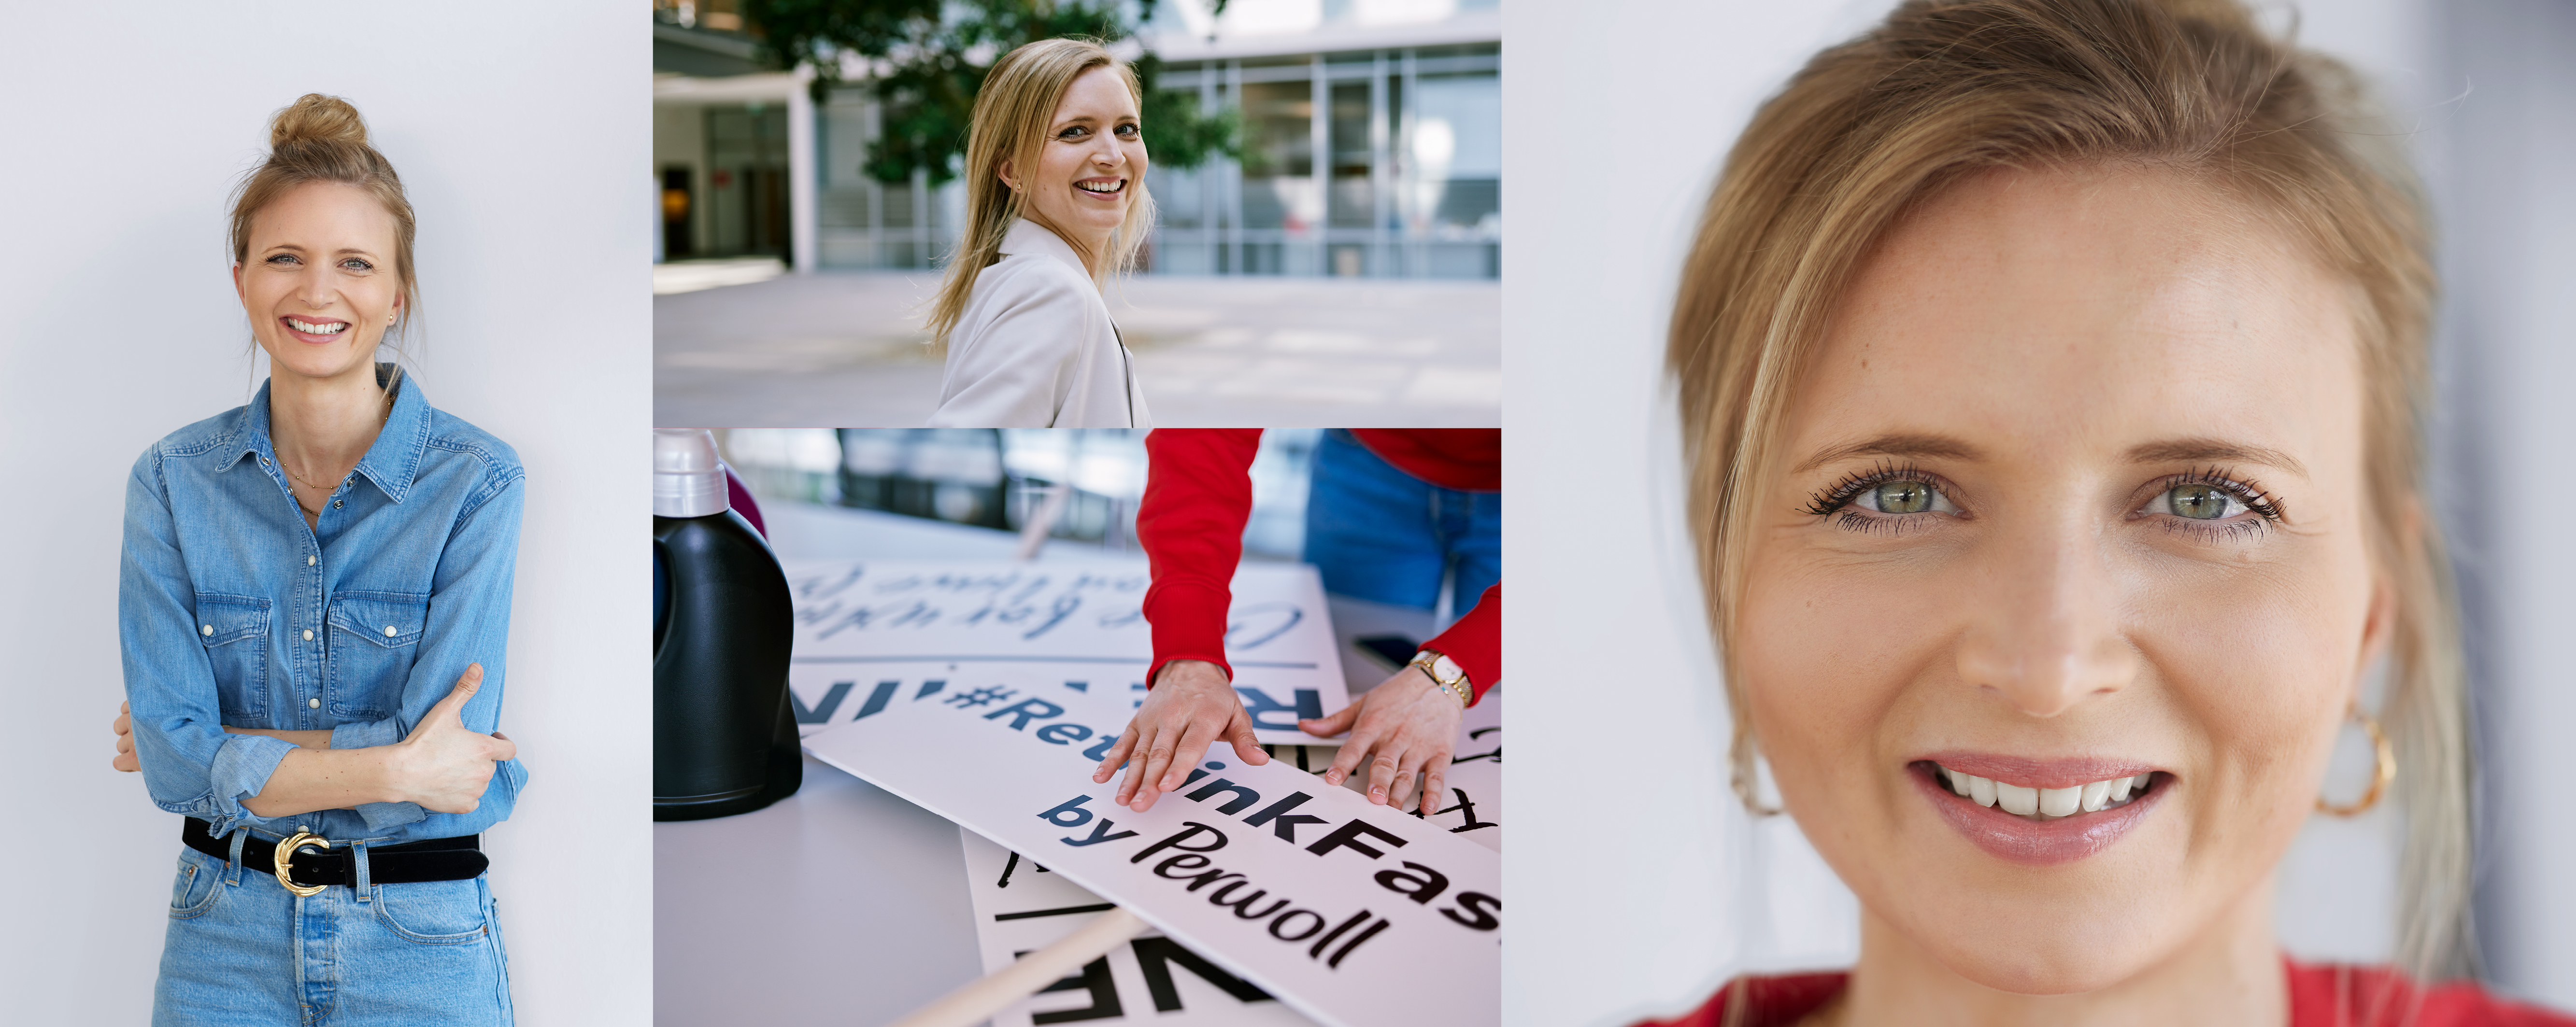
x,y
2320,996
1198,494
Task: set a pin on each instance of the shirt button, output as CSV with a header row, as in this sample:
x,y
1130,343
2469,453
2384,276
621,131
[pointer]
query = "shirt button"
x,y
308,561
336,504
389,631
207,630
308,634
313,703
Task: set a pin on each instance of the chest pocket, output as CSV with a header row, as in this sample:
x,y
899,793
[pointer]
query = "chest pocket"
x,y
375,636
235,632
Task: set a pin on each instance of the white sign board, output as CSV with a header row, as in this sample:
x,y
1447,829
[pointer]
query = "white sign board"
x,y
1021,625
1341,908
1021,906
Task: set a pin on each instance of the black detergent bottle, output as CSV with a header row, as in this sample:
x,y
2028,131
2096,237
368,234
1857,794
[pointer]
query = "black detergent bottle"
x,y
724,739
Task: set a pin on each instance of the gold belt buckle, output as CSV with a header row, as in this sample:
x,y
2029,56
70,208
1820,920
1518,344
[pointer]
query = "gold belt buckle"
x,y
286,862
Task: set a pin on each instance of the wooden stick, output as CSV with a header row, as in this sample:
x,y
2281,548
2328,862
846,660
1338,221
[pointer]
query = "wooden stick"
x,y
1033,535
980,999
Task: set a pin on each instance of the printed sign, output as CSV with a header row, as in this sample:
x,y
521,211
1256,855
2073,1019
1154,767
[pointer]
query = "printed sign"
x,y
1018,625
1021,906
1340,908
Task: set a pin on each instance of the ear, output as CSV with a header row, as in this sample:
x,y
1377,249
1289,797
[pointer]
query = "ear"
x,y
239,292
1004,173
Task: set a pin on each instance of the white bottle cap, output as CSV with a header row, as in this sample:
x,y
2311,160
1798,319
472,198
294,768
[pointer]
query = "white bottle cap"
x,y
688,478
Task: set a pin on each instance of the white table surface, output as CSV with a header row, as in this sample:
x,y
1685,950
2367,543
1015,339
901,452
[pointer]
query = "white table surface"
x,y
842,904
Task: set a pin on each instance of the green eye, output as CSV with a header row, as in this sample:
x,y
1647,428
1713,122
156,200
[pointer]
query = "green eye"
x,y
1902,497
2199,502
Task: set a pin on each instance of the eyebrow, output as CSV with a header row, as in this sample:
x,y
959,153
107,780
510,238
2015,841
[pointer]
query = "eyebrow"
x,y
342,251
1917,446
1905,445
2203,450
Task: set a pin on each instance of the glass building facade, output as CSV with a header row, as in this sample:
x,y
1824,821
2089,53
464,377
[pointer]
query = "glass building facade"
x,y
1373,163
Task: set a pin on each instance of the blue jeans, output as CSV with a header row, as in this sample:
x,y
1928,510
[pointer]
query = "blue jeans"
x,y
1379,534
243,950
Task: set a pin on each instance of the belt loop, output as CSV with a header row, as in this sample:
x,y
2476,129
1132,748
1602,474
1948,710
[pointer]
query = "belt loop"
x,y
233,866
358,851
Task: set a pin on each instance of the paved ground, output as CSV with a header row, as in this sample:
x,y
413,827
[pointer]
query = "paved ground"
x,y
843,349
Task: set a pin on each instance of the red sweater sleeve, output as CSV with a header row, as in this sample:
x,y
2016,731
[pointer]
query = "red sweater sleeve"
x,y
1198,494
1475,642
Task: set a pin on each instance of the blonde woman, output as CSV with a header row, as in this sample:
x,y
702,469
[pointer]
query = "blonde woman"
x,y
314,603
2050,376
1055,204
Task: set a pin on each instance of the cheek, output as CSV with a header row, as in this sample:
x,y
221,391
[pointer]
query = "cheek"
x,y
1825,657
2263,667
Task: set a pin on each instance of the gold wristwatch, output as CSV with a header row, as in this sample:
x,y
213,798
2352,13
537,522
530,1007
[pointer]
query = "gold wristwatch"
x,y
1445,673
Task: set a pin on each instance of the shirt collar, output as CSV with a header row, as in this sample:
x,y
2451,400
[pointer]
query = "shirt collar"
x,y
1033,239
391,462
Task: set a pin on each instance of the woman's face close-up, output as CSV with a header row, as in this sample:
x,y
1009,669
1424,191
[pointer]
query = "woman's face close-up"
x,y
2070,500
319,282
1093,160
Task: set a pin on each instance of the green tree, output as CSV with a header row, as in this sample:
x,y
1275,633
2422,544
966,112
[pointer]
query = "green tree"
x,y
927,58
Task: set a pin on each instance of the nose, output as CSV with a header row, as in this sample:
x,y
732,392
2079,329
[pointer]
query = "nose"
x,y
313,287
2045,632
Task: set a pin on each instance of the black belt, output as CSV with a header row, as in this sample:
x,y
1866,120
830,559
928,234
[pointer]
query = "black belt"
x,y
315,867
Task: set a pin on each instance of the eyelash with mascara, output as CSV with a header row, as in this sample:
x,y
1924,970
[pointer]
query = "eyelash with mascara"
x,y
2266,507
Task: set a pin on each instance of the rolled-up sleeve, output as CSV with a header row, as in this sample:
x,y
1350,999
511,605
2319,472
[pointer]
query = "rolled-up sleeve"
x,y
469,623
190,766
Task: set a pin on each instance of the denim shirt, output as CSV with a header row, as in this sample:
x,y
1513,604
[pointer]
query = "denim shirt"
x,y
233,612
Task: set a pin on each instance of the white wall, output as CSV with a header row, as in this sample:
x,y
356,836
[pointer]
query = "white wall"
x,y
518,130
1614,130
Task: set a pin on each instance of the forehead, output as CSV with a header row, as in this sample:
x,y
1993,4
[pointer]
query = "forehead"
x,y
1098,93
324,215
2044,310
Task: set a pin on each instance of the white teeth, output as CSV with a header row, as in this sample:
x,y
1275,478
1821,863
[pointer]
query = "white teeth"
x,y
1097,187
2043,803
2017,799
315,329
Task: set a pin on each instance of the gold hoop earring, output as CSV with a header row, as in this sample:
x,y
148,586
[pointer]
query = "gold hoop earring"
x,y
1743,774
2385,772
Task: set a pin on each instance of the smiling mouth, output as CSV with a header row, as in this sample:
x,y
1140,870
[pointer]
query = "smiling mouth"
x,y
2045,804
316,328
1110,188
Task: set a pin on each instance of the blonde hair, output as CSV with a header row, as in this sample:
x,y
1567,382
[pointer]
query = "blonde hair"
x,y
321,139
1942,90
1012,111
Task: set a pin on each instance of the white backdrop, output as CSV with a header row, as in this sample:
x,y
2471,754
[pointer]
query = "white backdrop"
x,y
1615,122
517,129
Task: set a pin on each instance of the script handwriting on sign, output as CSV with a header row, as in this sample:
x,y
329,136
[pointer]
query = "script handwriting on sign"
x,y
1022,603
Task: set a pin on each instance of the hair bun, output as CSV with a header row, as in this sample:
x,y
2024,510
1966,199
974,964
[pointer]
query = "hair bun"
x,y
316,118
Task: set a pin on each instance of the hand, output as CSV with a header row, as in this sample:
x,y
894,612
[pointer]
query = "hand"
x,y
441,765
1191,706
124,725
1411,723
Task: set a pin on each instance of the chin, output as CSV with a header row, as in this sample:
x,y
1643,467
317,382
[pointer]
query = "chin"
x,y
2036,943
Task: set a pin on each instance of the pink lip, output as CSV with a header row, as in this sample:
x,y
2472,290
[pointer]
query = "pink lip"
x,y
2015,839
317,340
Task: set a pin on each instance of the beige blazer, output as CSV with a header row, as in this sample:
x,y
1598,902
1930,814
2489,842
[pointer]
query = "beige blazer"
x,y
1035,347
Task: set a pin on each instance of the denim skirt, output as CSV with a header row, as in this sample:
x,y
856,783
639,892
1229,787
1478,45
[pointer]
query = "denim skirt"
x,y
243,950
